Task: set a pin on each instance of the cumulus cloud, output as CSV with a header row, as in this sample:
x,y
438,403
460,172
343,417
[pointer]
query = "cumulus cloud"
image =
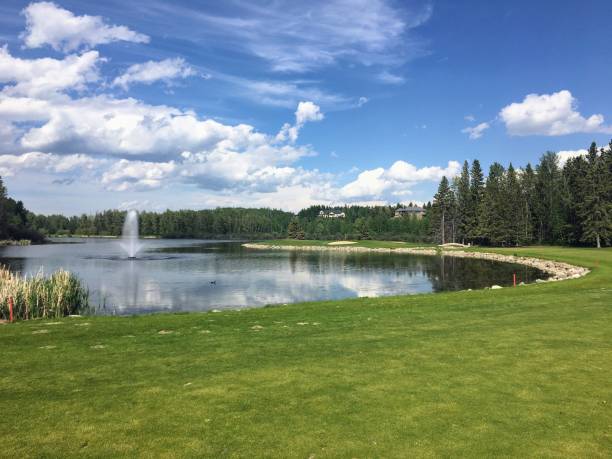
x,y
397,180
306,112
551,115
565,155
10,165
476,132
152,71
128,175
45,76
49,24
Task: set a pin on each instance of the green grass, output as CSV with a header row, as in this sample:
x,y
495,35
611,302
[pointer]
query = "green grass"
x,y
512,372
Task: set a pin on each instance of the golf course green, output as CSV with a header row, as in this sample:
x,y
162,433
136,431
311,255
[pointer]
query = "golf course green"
x,y
523,371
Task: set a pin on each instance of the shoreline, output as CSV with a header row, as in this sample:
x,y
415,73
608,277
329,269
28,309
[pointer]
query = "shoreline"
x,y
556,269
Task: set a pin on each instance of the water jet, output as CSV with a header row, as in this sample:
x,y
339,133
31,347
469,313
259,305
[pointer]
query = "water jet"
x,y
130,241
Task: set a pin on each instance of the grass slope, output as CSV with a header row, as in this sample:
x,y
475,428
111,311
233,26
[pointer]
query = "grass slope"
x,y
511,372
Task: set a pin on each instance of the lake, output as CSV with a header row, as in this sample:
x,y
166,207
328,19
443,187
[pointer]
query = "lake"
x,y
199,275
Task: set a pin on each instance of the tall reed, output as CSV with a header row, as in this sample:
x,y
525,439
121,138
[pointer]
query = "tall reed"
x,y
57,295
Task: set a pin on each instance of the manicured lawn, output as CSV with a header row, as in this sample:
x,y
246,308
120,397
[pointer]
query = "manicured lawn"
x,y
514,372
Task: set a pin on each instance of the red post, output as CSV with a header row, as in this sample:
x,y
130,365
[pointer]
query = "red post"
x,y
11,308
514,279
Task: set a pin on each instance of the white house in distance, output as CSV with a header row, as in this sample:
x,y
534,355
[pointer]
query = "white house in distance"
x,y
331,214
418,212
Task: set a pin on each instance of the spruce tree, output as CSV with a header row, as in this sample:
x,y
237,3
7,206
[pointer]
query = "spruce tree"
x,y
528,186
493,227
514,206
3,212
596,209
442,211
477,194
548,199
464,203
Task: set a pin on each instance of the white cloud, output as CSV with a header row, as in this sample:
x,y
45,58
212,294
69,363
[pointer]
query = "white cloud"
x,y
10,165
127,175
44,77
380,183
49,24
469,118
565,155
549,114
476,132
306,112
362,101
152,71
390,78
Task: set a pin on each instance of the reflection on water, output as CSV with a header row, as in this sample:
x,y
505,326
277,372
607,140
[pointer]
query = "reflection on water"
x,y
180,275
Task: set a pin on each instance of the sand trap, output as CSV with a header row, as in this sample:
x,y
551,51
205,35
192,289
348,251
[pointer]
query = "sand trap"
x,y
342,243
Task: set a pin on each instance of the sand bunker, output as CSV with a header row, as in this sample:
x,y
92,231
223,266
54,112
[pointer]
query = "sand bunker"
x,y
342,243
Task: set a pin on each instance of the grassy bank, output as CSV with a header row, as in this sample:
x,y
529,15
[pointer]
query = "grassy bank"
x,y
510,372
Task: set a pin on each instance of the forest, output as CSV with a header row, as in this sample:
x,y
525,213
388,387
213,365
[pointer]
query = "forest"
x,y
548,204
569,204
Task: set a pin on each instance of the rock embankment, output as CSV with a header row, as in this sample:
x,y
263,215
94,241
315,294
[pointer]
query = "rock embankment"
x,y
556,269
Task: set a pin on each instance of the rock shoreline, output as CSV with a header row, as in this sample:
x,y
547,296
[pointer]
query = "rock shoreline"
x,y
556,269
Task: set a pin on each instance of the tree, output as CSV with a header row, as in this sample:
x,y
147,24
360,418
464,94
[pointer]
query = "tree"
x,y
477,194
442,209
596,210
3,212
294,230
548,199
493,208
464,202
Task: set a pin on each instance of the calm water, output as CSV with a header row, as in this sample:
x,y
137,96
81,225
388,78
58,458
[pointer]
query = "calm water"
x,y
190,275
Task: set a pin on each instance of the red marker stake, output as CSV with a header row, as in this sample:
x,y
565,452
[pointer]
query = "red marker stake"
x,y
11,308
514,279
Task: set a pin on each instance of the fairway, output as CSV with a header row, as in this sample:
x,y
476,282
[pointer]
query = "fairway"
x,y
520,371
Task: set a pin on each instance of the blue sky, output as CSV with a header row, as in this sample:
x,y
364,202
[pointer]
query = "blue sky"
x,y
155,105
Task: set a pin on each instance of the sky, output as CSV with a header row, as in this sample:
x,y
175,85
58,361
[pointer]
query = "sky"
x,y
151,105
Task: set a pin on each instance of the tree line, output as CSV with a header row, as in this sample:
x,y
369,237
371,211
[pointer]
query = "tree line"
x,y
15,219
548,204
545,204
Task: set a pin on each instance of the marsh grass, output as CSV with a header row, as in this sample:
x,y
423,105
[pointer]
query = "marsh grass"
x,y
40,296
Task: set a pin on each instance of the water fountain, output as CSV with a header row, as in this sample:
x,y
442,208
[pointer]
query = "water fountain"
x,y
129,238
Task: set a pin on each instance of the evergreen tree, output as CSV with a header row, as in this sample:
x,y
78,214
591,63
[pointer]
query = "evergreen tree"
x,y
493,224
548,210
596,209
514,208
442,212
464,202
528,186
294,230
3,212
477,194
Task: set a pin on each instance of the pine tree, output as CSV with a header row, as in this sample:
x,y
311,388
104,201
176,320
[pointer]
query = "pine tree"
x,y
294,230
442,211
514,205
548,199
596,209
477,194
464,202
3,212
528,186
493,227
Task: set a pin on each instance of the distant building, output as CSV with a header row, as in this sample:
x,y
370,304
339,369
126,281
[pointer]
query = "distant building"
x,y
331,214
418,212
